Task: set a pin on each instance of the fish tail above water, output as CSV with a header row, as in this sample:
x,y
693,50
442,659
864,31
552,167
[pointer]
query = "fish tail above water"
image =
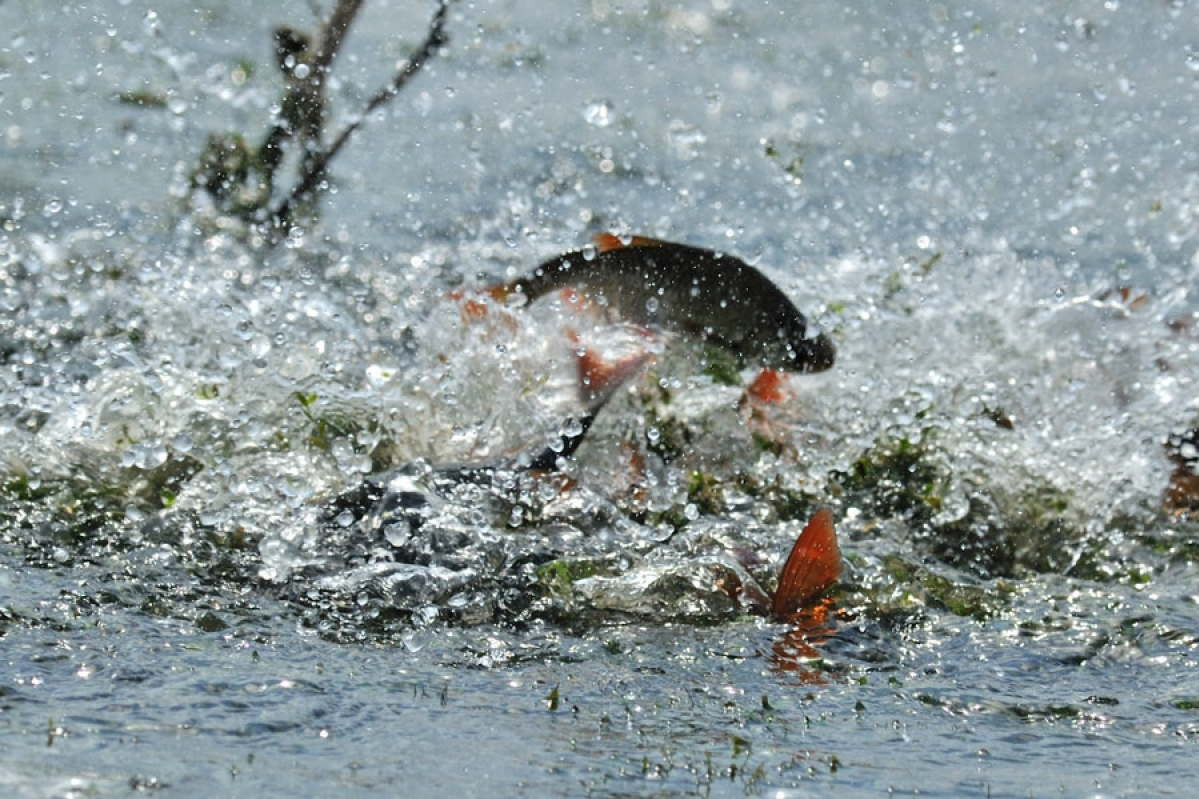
x,y
813,566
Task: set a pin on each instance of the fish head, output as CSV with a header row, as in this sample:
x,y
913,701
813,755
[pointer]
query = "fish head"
x,y
811,354
794,349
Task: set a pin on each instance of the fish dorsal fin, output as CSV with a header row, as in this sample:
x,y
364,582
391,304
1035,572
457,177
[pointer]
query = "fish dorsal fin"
x,y
812,567
607,242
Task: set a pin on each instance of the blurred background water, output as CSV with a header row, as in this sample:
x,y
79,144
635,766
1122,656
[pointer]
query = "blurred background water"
x,y
990,207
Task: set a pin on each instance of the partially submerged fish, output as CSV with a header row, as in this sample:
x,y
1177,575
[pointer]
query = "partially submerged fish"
x,y
714,296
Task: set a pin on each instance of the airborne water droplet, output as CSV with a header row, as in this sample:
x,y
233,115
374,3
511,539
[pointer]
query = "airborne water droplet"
x,y
598,113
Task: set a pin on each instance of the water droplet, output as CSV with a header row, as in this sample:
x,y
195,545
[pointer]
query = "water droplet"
x,y
598,113
397,533
686,139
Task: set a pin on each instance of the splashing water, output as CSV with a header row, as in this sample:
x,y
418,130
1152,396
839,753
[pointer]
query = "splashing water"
x,y
191,427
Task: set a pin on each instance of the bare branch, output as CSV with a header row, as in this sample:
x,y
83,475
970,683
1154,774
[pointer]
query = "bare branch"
x,y
314,168
329,40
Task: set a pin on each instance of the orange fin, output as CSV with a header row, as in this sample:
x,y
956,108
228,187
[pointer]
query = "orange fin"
x,y
812,567
767,387
599,379
499,292
574,300
472,303
606,242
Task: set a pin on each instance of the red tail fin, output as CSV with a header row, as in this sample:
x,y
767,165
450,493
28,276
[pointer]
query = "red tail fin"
x,y
812,567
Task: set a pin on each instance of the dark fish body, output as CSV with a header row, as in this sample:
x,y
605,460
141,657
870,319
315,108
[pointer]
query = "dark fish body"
x,y
712,295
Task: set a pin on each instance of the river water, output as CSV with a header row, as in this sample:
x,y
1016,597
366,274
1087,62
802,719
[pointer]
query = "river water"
x,y
989,207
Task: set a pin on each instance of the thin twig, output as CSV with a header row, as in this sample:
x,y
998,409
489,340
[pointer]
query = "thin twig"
x,y
333,33
315,168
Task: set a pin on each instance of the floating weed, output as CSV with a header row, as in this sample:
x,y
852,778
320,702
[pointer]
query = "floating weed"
x,y
721,366
787,504
209,622
558,576
326,425
668,437
143,98
705,491
1008,532
792,165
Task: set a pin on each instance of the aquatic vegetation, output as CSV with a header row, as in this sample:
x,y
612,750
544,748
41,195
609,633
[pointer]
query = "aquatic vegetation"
x,y
898,476
906,587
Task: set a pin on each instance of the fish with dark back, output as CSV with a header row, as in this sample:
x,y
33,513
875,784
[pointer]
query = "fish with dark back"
x,y
682,289
724,301
711,295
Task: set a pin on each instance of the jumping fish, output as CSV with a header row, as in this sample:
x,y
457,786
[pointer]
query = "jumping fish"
x,y
712,295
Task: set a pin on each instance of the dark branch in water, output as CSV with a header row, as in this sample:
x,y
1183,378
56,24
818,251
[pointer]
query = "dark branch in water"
x,y
314,170
240,180
333,34
306,65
